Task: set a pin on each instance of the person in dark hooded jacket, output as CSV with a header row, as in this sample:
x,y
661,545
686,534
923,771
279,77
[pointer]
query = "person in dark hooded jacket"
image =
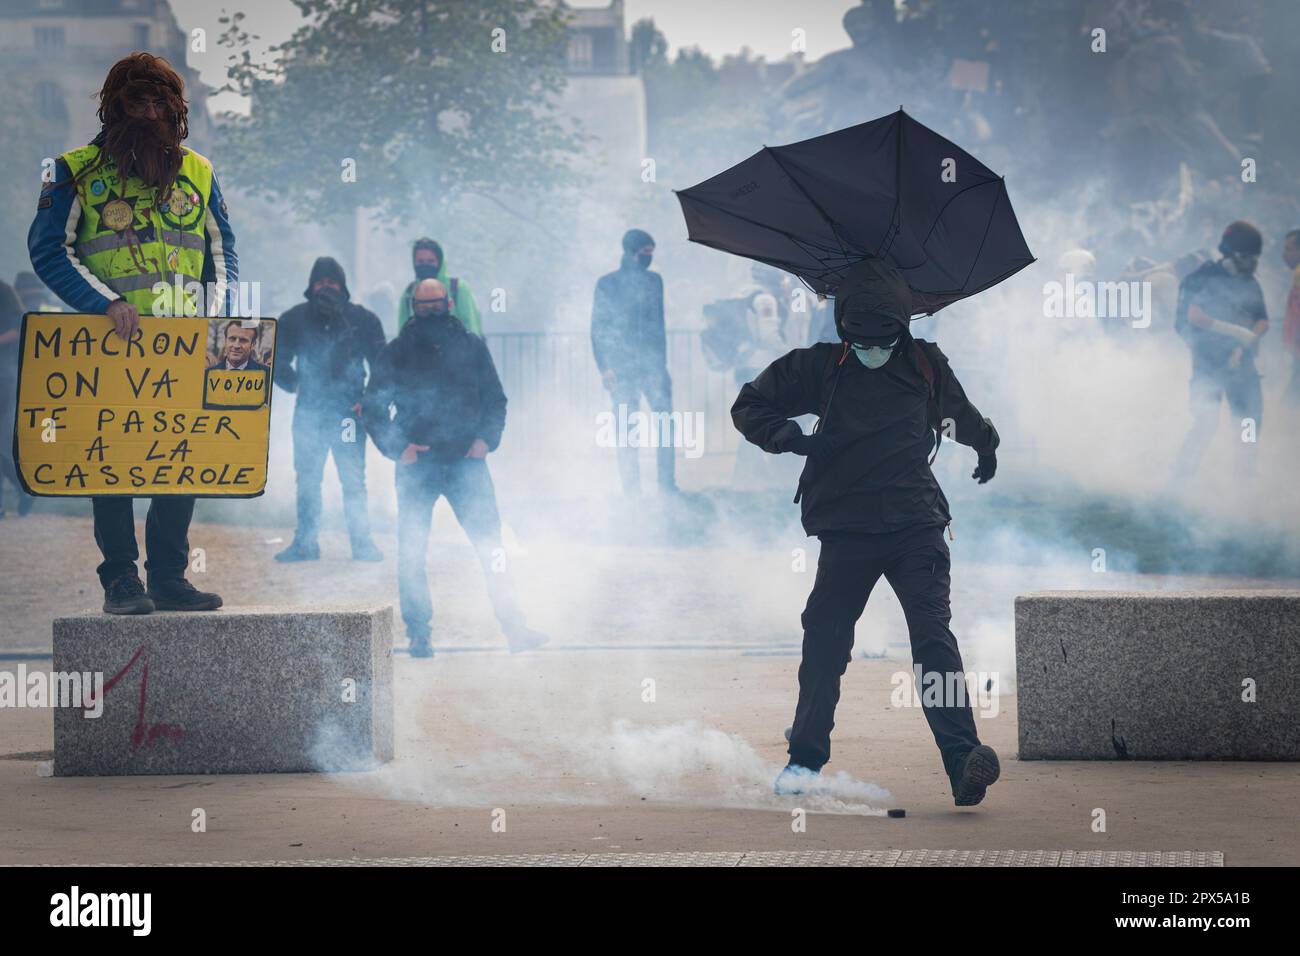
x,y
867,492
324,347
630,346
435,406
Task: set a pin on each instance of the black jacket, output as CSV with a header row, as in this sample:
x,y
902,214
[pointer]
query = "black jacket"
x,y
878,478
435,386
323,358
1237,300
627,320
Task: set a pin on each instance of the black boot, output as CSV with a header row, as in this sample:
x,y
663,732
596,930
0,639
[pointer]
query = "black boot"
x,y
979,769
177,594
126,596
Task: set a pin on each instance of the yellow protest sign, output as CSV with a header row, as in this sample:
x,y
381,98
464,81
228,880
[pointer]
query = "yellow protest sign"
x,y
181,408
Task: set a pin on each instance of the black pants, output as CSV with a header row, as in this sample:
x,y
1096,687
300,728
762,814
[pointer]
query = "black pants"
x,y
657,387
469,490
166,537
318,432
916,564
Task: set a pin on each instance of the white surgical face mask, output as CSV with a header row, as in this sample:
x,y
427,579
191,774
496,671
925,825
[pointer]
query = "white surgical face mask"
x,y
874,356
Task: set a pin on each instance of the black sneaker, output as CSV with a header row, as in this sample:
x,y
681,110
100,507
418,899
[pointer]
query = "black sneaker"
x,y
179,595
298,551
126,596
978,771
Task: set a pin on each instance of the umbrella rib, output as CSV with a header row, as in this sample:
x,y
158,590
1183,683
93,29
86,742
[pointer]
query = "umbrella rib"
x,y
1002,189
815,204
803,244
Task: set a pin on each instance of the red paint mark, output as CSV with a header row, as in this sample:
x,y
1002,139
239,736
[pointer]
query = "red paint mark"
x,y
145,732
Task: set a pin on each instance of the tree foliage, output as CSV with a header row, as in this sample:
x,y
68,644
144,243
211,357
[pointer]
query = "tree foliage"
x,y
425,100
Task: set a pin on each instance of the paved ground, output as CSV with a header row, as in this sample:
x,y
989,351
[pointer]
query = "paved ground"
x,y
560,748
559,753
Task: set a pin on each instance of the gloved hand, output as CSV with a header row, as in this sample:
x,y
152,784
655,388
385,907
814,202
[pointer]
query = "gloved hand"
x,y
985,468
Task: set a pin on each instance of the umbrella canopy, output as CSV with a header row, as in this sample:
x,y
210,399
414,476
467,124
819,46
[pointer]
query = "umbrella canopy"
x,y
818,207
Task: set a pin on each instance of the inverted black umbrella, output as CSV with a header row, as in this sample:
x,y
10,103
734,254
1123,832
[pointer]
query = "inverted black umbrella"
x,y
891,188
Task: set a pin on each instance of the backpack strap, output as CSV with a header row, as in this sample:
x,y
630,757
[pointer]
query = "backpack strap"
x,y
932,406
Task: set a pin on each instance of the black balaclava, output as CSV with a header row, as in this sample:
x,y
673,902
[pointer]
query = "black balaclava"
x,y
425,271
326,267
633,240
435,327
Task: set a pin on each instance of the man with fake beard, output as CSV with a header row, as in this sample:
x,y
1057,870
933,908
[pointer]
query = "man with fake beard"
x,y
326,345
868,493
1222,316
133,210
436,407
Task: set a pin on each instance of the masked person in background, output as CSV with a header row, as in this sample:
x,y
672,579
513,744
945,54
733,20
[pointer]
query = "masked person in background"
x,y
630,346
134,211
430,263
868,493
1222,316
436,407
325,346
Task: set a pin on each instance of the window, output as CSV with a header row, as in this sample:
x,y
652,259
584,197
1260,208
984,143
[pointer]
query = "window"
x,y
50,102
49,38
580,51
142,36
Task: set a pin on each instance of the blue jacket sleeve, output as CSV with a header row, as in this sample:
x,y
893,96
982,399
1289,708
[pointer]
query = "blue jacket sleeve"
x,y
51,243
221,264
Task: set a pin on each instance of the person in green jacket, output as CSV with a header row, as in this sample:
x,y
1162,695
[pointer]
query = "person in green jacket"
x,y
431,264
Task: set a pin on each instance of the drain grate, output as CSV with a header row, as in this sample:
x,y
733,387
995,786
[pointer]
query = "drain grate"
x,y
781,858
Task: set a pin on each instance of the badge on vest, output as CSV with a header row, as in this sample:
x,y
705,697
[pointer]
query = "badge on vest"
x,y
117,215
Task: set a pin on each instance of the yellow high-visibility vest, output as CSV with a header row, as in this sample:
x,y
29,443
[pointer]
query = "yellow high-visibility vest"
x,y
139,240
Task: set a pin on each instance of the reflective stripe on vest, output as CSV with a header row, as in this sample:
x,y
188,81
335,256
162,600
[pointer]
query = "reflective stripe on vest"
x,y
166,241
120,240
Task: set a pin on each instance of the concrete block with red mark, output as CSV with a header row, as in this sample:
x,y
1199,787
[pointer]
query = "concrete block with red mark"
x,y
240,690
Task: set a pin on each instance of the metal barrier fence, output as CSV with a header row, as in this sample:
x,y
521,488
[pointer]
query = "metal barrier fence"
x,y
555,390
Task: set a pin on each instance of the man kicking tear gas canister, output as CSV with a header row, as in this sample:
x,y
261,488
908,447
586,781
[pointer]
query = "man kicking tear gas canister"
x,y
867,492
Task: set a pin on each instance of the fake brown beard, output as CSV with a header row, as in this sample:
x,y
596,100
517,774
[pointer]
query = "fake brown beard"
x,y
149,150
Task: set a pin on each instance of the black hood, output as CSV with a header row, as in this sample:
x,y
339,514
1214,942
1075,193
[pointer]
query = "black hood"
x,y
634,239
327,266
875,299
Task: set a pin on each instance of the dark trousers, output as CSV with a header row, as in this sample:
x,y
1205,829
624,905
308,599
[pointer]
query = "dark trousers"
x,y
1208,389
657,387
166,537
916,564
316,433
468,488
